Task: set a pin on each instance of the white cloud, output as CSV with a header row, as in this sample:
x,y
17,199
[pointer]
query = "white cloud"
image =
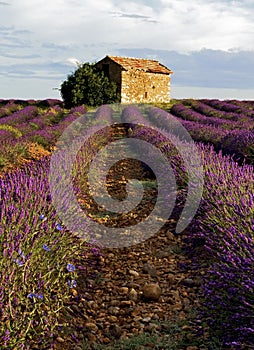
x,y
181,25
64,31
73,61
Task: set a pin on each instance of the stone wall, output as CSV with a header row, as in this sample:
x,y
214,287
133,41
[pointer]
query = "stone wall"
x,y
136,86
142,87
114,71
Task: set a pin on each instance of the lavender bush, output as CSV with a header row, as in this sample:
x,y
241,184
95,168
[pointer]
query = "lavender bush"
x,y
39,257
226,226
20,116
240,143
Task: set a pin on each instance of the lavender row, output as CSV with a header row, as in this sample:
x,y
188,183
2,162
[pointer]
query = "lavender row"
x,y
8,109
133,115
103,115
16,149
50,102
239,143
229,107
20,116
225,227
45,128
42,261
210,111
183,112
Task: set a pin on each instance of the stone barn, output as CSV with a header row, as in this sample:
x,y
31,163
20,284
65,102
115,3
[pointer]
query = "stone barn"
x,y
138,80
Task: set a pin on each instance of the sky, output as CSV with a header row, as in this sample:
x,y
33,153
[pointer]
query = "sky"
x,y
208,44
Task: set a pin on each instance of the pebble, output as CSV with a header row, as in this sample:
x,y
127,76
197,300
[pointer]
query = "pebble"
x,y
188,282
133,295
147,268
152,291
186,328
170,279
133,273
115,331
60,340
112,319
124,290
177,307
126,303
74,292
114,310
91,326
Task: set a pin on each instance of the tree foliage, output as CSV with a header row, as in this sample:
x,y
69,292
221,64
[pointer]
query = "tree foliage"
x,y
89,86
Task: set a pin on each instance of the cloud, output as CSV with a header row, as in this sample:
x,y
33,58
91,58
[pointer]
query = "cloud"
x,y
164,24
203,41
73,61
44,70
54,46
29,56
3,3
133,16
208,68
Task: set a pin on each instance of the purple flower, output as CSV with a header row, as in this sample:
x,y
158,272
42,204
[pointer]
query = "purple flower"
x,y
45,247
35,295
19,262
39,295
31,295
72,283
59,227
70,267
21,254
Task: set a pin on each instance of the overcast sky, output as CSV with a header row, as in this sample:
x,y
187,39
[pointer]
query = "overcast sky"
x,y
209,44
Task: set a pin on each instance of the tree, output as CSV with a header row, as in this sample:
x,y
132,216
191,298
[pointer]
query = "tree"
x,y
89,86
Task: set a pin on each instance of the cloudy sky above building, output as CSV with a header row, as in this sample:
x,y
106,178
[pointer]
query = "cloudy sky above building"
x,y
209,44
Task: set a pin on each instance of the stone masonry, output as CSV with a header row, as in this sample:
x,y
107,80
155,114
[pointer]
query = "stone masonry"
x,y
138,80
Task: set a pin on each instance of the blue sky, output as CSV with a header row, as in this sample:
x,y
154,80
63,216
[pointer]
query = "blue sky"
x,y
208,44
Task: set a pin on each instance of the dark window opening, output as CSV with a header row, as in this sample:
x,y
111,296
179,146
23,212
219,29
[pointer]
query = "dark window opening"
x,y
146,94
105,69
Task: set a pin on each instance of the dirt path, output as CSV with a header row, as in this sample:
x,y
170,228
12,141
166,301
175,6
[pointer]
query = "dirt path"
x,y
138,290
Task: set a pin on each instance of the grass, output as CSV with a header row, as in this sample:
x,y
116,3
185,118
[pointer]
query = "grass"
x,y
172,336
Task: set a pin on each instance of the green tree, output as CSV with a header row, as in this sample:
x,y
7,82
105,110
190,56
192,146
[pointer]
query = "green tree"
x,y
88,86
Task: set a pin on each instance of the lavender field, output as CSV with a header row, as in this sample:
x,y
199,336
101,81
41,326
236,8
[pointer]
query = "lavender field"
x,y
42,263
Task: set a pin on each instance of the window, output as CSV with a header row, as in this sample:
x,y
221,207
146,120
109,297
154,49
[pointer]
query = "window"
x,y
105,69
146,94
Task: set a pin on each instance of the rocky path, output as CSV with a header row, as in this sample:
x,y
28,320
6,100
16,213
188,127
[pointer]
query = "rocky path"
x,y
138,290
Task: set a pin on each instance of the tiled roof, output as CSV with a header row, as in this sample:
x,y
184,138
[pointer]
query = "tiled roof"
x,y
151,66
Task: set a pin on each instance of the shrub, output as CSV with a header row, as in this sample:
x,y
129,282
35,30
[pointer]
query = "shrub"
x,y
88,86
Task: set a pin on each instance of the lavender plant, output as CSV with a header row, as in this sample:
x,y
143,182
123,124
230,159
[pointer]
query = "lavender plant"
x,y
225,226
39,261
